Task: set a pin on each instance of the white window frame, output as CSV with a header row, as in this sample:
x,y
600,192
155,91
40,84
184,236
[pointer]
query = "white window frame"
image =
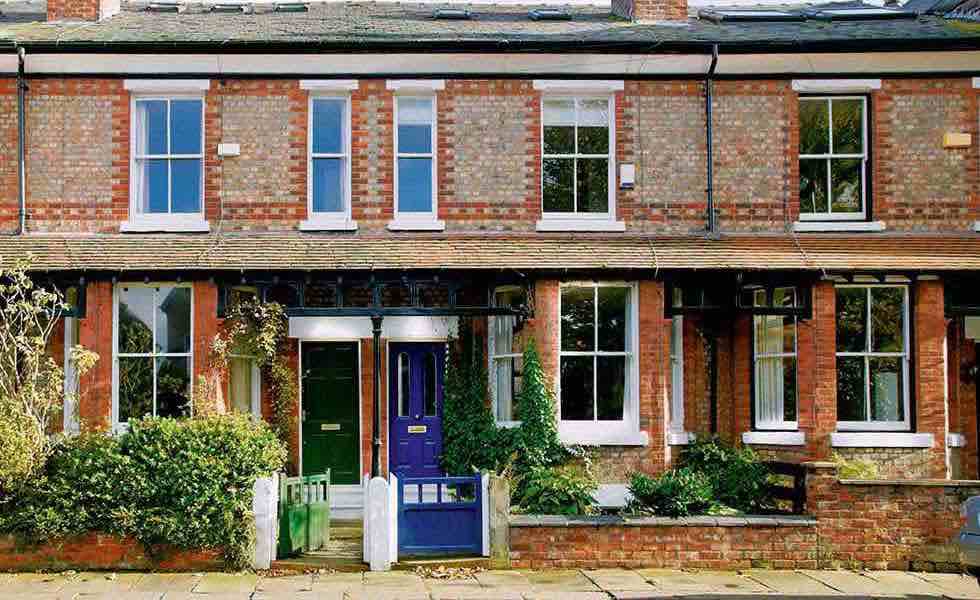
x,y
780,425
576,221
255,393
428,221
149,222
677,374
116,425
70,416
899,426
326,221
829,156
493,358
627,431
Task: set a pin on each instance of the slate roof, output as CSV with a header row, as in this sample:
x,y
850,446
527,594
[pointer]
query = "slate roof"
x,y
315,252
364,25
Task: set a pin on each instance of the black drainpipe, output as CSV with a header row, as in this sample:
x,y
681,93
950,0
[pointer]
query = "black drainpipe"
x,y
21,134
709,87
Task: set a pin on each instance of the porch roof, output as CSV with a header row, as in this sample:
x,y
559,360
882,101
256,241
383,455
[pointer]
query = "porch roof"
x,y
526,252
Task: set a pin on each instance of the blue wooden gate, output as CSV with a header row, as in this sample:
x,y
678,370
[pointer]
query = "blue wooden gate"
x,y
440,516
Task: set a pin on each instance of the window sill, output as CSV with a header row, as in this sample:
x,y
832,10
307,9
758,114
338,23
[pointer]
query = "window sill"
x,y
882,439
955,440
571,224
508,424
324,223
838,226
976,226
416,225
602,438
774,438
680,438
165,225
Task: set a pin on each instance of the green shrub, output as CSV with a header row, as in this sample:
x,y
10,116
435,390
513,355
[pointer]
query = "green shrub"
x,y
676,493
561,490
186,483
738,478
536,442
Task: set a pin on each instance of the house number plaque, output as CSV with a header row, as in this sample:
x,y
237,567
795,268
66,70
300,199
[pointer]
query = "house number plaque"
x,y
329,426
417,428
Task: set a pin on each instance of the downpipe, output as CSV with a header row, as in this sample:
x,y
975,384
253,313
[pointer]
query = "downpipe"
x,y
709,88
21,136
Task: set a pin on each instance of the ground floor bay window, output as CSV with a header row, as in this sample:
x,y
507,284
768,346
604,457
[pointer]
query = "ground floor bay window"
x,y
152,348
597,363
872,357
774,364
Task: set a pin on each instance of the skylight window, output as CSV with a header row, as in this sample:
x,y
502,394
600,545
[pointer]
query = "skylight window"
x,y
291,7
452,14
748,15
228,7
858,13
164,6
550,14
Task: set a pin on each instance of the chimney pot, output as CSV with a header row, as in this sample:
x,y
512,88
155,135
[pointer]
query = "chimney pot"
x,y
650,10
82,10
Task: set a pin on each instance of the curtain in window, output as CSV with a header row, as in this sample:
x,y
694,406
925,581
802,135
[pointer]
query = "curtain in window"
x,y
240,384
504,367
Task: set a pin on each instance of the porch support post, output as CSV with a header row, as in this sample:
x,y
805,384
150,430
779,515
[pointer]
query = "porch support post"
x,y
376,321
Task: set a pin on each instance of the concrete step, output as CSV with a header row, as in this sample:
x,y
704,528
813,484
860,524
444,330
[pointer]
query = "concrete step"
x,y
451,562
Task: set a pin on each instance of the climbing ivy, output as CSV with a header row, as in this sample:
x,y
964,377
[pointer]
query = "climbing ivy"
x,y
536,442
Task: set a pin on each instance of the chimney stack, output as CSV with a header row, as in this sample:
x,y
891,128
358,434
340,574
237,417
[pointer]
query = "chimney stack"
x,y
650,10
82,10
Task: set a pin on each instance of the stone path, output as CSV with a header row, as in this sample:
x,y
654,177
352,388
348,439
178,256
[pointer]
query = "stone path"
x,y
602,584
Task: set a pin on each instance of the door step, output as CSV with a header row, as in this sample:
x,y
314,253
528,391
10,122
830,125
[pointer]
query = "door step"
x,y
451,562
343,552
319,561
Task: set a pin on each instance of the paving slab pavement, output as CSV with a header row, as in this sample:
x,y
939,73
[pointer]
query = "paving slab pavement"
x,y
790,582
560,580
619,580
952,586
226,583
847,582
503,579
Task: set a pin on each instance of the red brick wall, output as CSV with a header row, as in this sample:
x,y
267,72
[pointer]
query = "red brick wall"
x,y
9,203
99,552
928,363
963,397
95,334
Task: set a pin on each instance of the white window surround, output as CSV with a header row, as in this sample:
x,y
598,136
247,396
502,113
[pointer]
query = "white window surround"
x,y
582,222
836,86
165,89
976,82
676,427
329,85
781,426
70,421
607,433
415,85
774,438
880,439
839,226
492,357
955,440
116,425
976,226
417,221
906,358
682,438
579,86
329,221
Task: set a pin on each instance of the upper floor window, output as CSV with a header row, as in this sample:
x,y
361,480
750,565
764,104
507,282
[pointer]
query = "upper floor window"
x,y
415,163
152,351
872,357
577,173
329,157
774,362
833,157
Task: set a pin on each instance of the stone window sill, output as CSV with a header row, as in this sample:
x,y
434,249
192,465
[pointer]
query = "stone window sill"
x,y
165,224
774,438
416,225
882,439
584,225
680,438
955,440
601,436
328,223
838,226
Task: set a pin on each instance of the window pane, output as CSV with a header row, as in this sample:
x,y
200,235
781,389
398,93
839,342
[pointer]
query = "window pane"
x,y
415,125
152,118
174,320
429,384
769,391
613,303
789,388
240,384
415,184
185,126
328,186
593,185
593,123
845,175
784,297
173,387
611,387
135,387
850,389
503,334
559,113
814,127
559,140
577,381
578,319
848,126
813,185
557,184
156,186
328,125
404,384
508,379
186,185
135,320
887,319
886,389
852,311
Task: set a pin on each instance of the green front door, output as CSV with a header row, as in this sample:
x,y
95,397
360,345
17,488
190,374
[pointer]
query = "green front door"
x,y
331,429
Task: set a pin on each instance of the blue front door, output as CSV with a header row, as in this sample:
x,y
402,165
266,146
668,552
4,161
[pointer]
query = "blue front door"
x,y
415,380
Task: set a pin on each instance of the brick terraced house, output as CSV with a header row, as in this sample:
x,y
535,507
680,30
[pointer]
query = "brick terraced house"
x,y
757,222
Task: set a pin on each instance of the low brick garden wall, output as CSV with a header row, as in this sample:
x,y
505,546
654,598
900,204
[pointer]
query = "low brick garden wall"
x,y
98,552
694,542
887,524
